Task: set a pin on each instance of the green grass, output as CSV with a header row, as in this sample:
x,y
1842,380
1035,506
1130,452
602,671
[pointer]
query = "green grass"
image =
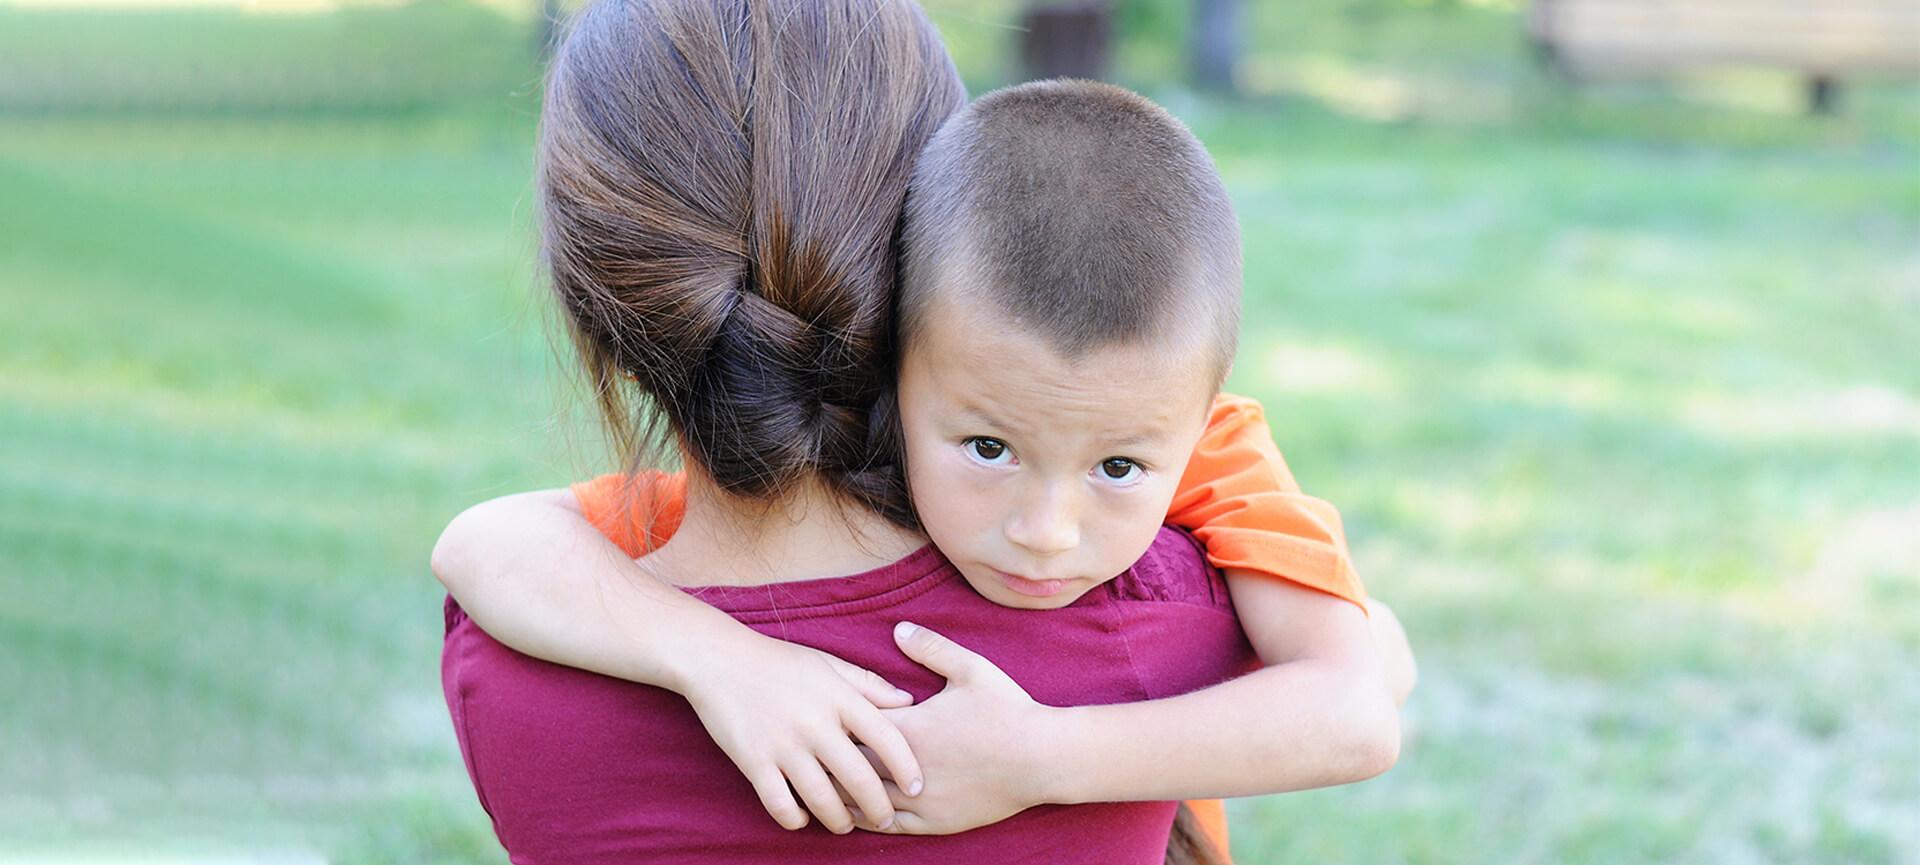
x,y
1618,390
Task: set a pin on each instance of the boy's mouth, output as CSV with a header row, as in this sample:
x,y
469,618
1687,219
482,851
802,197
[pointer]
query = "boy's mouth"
x,y
1031,588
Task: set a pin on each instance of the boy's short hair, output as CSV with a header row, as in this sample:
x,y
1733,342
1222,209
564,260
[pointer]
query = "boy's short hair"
x,y
1083,211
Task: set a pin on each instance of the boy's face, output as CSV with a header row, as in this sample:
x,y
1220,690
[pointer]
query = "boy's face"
x,y
1038,476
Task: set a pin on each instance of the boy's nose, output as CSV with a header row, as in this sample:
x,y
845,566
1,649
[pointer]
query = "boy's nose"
x,y
1046,527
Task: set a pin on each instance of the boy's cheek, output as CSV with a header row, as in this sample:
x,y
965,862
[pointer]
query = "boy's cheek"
x,y
939,486
1124,533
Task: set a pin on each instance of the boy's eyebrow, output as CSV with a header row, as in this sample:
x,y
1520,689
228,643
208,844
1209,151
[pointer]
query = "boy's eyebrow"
x,y
980,415
1136,438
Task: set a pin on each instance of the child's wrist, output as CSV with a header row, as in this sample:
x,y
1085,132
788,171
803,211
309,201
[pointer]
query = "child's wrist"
x,y
688,650
1052,760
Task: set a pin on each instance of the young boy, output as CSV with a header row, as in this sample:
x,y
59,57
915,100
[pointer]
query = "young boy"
x,y
1068,311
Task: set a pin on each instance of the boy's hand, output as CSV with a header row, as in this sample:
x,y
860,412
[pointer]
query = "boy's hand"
x,y
789,714
973,739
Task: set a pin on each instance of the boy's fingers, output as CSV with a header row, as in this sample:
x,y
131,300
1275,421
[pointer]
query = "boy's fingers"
x,y
888,746
860,819
877,690
854,779
951,660
892,828
771,786
902,805
908,823
810,781
895,796
901,802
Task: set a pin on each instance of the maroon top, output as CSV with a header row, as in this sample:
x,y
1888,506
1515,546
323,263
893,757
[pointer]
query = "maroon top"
x,y
577,768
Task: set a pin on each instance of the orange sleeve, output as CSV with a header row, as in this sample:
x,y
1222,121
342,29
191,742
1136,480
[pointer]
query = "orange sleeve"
x,y
638,511
1240,500
1211,814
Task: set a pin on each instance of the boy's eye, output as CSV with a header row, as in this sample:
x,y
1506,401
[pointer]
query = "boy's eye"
x,y
988,450
1119,468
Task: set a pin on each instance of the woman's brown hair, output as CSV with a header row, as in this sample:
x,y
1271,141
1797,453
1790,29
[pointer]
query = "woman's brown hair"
x,y
720,186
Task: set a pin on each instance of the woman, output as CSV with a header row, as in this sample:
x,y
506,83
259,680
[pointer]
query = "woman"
x,y
720,188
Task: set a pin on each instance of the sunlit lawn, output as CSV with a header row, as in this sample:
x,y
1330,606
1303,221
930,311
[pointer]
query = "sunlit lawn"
x,y
1619,391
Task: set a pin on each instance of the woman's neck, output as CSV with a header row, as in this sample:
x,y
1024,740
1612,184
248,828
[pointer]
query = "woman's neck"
x,y
809,533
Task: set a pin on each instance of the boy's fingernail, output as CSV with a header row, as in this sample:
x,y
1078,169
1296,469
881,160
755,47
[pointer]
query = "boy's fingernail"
x,y
902,694
904,631
887,823
913,789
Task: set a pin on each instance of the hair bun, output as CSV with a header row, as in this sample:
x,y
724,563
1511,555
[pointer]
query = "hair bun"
x,y
753,398
720,184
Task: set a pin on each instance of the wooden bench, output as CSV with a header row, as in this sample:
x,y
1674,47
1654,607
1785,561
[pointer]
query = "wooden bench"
x,y
1825,40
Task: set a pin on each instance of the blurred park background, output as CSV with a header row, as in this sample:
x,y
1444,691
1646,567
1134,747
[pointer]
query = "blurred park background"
x,y
1616,382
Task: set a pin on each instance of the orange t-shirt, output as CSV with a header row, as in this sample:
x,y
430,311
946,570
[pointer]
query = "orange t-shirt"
x,y
1237,497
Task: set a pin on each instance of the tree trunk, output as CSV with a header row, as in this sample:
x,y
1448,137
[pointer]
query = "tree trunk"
x,y
1067,40
1823,95
1213,49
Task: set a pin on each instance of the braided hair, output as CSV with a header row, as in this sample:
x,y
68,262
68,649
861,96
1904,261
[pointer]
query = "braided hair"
x,y
719,187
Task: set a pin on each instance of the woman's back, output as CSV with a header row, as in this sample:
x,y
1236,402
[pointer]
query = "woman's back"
x,y
720,185
580,768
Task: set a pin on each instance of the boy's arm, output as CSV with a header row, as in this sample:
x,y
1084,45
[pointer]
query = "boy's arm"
x,y
536,576
1323,717
1396,655
1240,500
1321,711
532,572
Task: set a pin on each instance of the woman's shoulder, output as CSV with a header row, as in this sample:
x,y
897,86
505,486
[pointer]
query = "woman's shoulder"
x,y
1173,570
1177,619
